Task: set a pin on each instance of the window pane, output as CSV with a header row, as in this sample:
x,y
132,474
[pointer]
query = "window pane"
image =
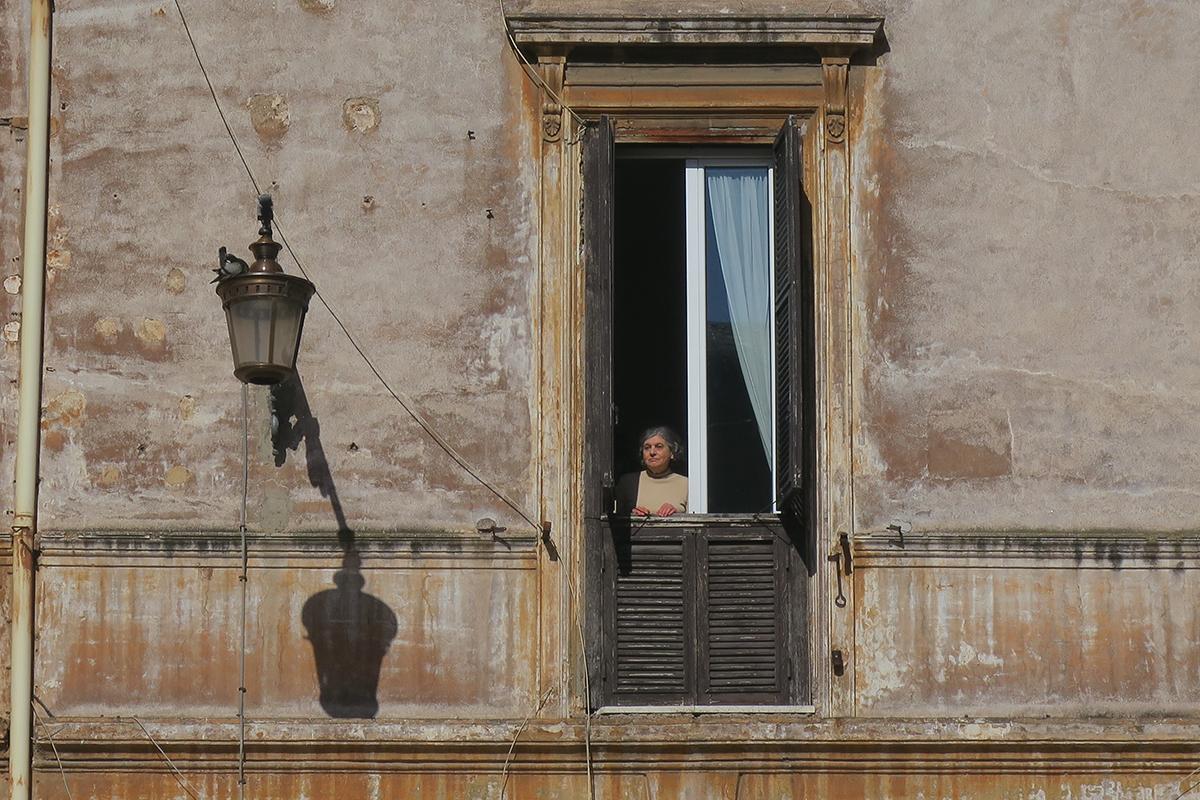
x,y
738,339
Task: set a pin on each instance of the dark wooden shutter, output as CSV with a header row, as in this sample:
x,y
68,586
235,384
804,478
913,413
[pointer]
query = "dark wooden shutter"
x,y
742,615
598,189
598,478
651,626
789,331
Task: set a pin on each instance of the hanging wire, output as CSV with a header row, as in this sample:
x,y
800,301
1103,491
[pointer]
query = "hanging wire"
x,y
1190,787
57,758
243,579
513,745
533,75
407,405
577,601
529,70
187,787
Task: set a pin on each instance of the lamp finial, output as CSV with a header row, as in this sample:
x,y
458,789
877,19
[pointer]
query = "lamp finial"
x,y
266,214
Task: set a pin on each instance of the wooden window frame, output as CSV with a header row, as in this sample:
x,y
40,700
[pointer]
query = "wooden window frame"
x,y
660,620
696,80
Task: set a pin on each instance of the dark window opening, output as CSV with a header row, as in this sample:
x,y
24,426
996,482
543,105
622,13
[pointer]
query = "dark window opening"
x,y
649,337
685,360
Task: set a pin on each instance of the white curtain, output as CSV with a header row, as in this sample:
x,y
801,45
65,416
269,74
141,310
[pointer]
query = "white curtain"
x,y
738,200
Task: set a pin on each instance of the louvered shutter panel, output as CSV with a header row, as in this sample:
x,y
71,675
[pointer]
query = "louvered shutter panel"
x,y
652,628
789,345
598,168
742,608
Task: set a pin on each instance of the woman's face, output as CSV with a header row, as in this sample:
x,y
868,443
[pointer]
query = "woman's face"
x,y
656,455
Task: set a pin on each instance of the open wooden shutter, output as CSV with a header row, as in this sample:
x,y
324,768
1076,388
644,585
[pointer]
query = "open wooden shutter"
x,y
651,626
789,330
742,608
598,478
598,164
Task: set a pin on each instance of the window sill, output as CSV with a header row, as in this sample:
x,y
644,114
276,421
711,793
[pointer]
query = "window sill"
x,y
698,710
694,520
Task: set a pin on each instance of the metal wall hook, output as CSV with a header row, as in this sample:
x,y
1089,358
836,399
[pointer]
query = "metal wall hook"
x,y
843,561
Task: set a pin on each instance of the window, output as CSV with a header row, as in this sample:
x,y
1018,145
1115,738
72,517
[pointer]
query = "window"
x,y
692,317
695,309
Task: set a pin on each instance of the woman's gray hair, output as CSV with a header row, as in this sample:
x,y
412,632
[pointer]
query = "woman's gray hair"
x,y
673,440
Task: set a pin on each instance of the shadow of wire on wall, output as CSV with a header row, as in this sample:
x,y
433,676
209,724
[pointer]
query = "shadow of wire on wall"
x,y
350,630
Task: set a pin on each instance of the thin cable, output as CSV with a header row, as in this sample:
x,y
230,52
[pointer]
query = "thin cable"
x,y
1192,786
408,407
529,70
187,787
587,712
213,92
243,579
57,758
513,746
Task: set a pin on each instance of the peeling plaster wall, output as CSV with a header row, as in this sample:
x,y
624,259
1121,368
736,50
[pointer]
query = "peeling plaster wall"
x,y
1028,271
408,642
649,785
1024,196
947,642
402,178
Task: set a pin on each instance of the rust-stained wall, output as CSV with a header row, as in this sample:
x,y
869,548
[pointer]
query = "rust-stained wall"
x,y
1023,268
947,641
413,632
401,175
645,786
1028,274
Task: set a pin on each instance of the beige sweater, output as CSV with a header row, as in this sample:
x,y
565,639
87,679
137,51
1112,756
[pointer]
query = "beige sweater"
x,y
670,488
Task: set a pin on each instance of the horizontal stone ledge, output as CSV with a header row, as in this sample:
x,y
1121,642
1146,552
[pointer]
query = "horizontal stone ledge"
x,y
698,742
69,547
1111,550
550,32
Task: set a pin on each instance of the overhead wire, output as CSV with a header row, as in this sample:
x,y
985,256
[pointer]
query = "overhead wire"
x,y
243,579
513,745
54,747
407,405
1191,786
573,587
187,787
529,70
533,75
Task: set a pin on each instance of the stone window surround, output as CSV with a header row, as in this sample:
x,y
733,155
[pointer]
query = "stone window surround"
x,y
808,61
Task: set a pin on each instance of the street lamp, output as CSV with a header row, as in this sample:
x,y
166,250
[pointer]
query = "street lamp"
x,y
264,307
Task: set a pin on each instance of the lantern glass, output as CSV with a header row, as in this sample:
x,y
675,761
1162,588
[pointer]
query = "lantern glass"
x,y
250,329
286,336
265,318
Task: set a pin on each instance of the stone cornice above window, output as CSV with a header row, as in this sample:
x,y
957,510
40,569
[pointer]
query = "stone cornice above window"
x,y
550,34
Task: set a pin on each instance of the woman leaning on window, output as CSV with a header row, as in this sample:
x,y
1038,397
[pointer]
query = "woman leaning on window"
x,y
657,490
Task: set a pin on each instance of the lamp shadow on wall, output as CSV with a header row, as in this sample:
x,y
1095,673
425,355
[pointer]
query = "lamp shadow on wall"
x,y
350,630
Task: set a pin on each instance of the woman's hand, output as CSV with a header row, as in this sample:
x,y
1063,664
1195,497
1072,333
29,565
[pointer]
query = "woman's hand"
x,y
665,510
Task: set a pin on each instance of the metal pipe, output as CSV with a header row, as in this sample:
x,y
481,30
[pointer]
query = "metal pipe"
x,y
244,579
37,148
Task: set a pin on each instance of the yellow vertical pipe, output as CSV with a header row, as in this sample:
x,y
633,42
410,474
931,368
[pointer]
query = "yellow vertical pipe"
x,y
30,400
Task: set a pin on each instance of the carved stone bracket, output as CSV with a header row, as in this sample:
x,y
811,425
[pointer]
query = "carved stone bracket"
x,y
552,69
834,74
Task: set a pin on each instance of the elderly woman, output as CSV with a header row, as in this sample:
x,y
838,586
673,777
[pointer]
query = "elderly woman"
x,y
657,490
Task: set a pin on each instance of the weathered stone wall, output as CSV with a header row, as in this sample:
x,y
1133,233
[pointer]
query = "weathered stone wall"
x,y
1024,192
400,168
1027,268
